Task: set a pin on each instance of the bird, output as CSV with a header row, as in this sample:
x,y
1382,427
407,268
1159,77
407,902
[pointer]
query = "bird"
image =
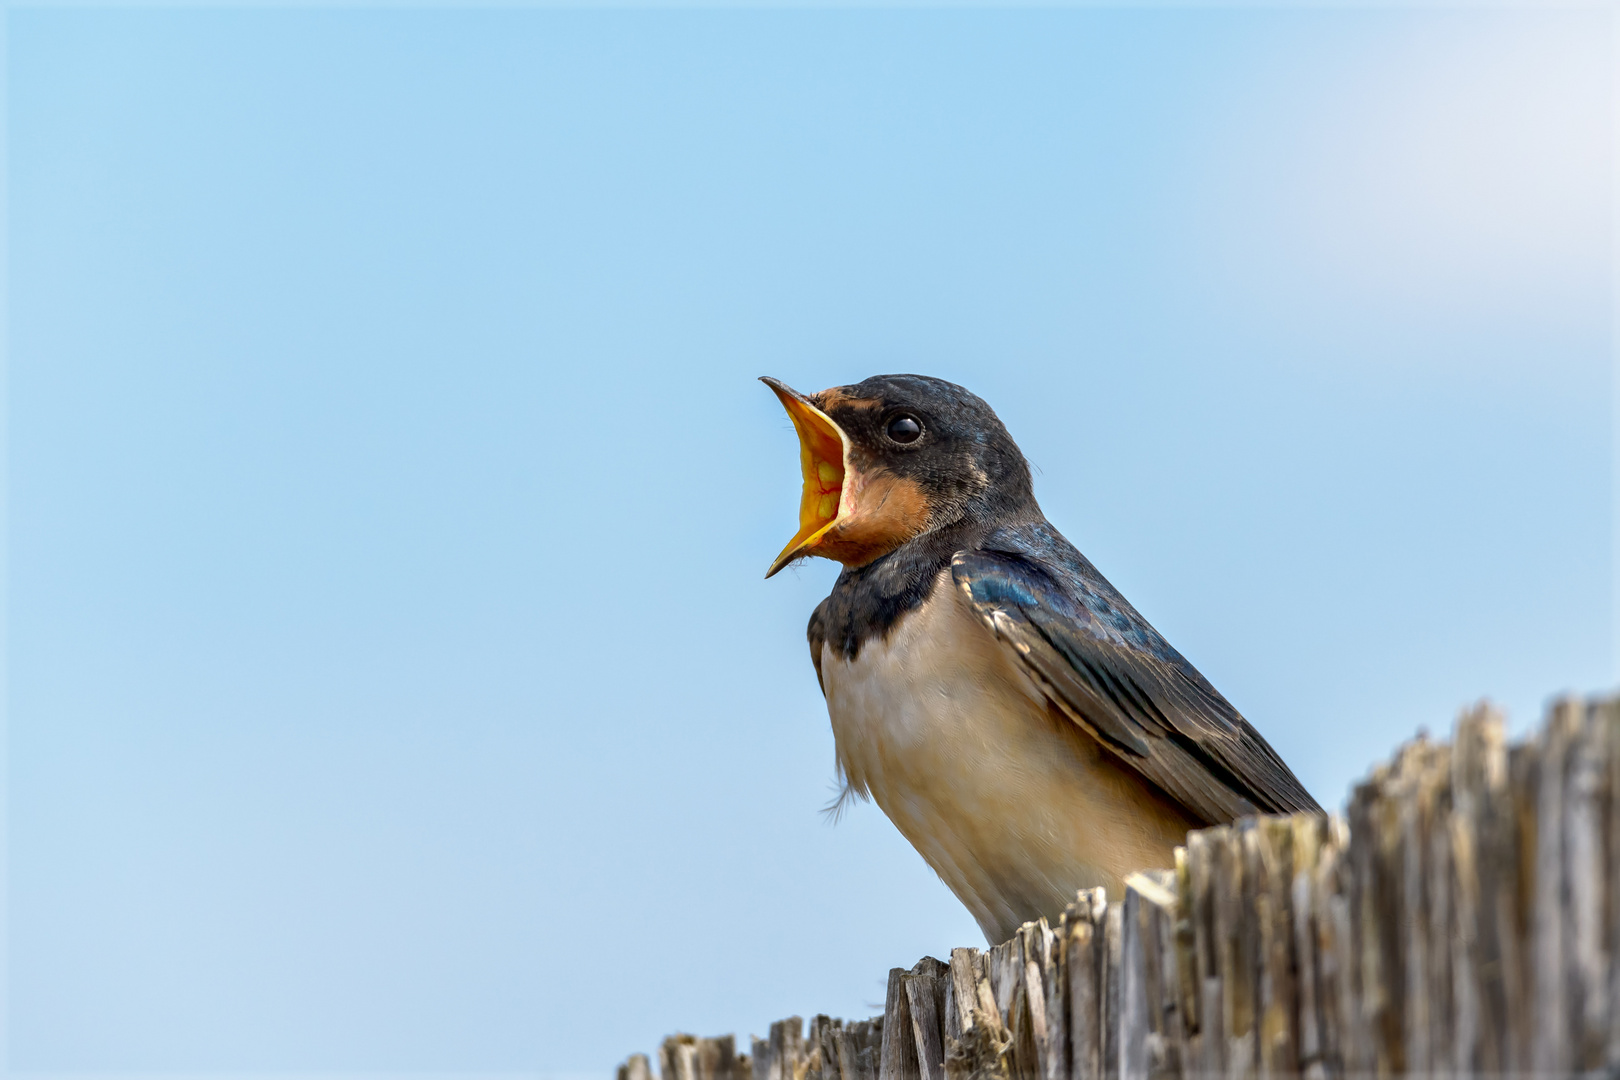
x,y
1019,722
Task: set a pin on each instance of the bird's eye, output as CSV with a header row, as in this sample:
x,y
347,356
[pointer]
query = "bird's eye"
x,y
904,429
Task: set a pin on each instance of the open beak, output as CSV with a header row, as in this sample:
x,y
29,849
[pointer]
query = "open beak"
x,y
823,458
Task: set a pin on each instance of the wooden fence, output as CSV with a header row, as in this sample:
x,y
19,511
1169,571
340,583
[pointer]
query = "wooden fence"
x,y
1462,920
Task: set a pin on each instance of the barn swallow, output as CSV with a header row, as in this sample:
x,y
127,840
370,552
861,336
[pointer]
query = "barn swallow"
x,y
1015,717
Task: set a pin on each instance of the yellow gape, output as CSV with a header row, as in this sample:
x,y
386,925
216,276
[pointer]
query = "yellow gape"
x,y
822,448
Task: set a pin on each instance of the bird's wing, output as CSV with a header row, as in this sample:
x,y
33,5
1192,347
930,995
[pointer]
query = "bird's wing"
x,y
1102,664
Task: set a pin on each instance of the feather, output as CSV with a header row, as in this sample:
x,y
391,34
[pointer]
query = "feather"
x,y
1110,672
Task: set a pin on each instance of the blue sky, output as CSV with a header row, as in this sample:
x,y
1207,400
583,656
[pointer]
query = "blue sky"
x,y
392,684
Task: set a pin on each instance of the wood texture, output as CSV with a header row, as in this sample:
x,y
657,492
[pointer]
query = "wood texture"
x,y
1462,919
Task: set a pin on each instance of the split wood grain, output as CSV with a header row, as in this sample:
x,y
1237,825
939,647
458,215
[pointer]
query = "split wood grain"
x,y
1462,919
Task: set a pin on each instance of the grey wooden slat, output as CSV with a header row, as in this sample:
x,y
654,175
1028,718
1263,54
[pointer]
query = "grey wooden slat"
x,y
1083,968
1277,1019
1006,964
1152,909
1133,993
1207,1055
1183,965
1354,911
1551,1035
1055,1049
1307,840
1411,794
1025,1058
1468,1053
1587,959
715,1059
924,989
1035,940
865,1050
1237,932
1606,714
899,1058
964,974
1516,902
1331,912
845,1056
676,1057
1055,990
1113,932
821,1048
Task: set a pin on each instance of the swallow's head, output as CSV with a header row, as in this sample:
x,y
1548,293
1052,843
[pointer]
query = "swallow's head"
x,y
892,458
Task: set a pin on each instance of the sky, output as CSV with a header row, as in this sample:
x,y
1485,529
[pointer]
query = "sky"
x,y
391,684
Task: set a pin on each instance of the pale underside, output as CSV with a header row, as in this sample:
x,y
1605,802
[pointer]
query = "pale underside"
x,y
1012,804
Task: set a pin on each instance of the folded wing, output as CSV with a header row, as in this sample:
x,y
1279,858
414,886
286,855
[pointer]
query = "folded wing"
x,y
1104,667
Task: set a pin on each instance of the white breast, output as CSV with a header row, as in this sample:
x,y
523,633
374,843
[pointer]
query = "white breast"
x,y
1012,804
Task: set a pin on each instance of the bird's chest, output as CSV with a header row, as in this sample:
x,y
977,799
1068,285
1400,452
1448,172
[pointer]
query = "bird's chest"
x,y
937,707
1011,803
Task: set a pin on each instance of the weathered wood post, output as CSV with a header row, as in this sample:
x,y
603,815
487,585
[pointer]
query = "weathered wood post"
x,y
1463,918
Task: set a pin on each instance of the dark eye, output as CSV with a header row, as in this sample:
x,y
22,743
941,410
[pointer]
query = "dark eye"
x,y
904,429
